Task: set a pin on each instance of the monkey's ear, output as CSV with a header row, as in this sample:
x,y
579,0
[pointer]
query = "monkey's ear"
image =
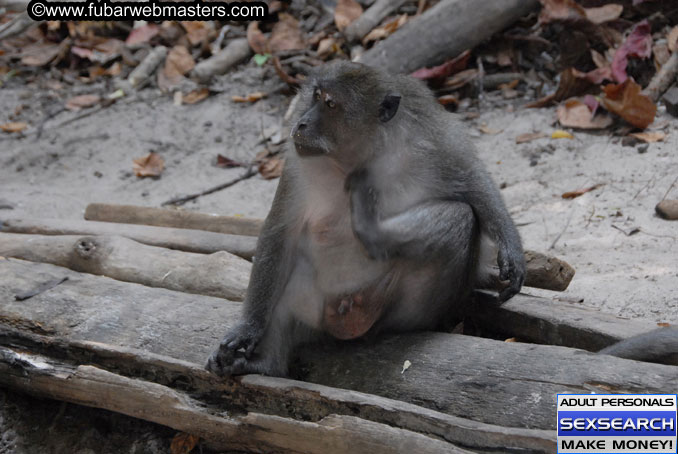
x,y
389,107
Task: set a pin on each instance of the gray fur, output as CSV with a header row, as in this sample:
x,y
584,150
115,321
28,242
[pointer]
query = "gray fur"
x,y
376,194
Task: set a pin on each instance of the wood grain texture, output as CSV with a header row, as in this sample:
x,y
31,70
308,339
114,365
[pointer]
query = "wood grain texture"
x,y
219,274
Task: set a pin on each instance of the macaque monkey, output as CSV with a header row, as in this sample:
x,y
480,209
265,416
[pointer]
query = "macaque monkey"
x,y
382,221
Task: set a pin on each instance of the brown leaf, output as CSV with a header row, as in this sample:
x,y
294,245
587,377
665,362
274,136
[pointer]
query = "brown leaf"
x,y
178,62
346,12
150,165
196,31
650,137
286,34
672,39
141,35
195,96
575,114
445,70
183,443
327,47
39,54
560,10
256,39
252,97
271,167
461,78
14,126
530,136
487,130
283,75
578,192
605,13
628,102
385,30
78,102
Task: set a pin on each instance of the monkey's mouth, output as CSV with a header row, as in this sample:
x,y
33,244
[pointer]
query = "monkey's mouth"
x,y
306,149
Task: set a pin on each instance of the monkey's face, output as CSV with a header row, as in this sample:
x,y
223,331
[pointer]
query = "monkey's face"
x,y
339,106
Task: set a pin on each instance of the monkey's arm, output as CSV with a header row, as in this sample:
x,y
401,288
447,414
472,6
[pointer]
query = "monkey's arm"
x,y
430,229
495,221
269,275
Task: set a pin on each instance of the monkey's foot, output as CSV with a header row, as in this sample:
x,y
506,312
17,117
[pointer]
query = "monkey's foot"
x,y
351,316
238,345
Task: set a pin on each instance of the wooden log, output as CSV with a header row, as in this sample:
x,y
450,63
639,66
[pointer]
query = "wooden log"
x,y
253,432
278,396
235,52
538,320
443,32
546,272
371,18
181,239
219,274
181,219
450,373
663,80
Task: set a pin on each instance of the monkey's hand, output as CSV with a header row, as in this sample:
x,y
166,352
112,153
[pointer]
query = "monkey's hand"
x,y
235,350
511,261
364,217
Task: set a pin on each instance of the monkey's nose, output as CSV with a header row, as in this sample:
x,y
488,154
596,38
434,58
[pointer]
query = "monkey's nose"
x,y
298,128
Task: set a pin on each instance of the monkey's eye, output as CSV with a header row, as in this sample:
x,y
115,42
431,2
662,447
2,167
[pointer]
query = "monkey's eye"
x,y
331,104
316,94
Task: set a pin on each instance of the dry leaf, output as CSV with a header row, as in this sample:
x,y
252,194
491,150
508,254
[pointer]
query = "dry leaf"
x,y
672,39
560,134
530,136
150,165
445,70
256,39
141,35
461,78
560,10
327,47
14,126
195,96
575,114
605,13
39,54
637,44
385,30
628,102
650,137
183,443
178,62
271,167
578,192
252,97
346,12
487,130
286,34
78,102
511,339
196,31
663,324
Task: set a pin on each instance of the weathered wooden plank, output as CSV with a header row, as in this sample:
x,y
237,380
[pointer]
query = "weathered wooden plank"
x,y
182,219
504,383
94,387
507,384
542,321
219,274
443,32
181,239
279,396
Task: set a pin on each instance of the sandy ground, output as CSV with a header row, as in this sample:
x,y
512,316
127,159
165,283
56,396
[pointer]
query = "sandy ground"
x,y
90,160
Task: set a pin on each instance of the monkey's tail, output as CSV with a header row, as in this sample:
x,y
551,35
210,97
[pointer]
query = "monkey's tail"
x,y
658,346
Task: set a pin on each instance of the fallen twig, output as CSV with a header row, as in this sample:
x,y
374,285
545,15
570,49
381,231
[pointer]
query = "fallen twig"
x,y
251,171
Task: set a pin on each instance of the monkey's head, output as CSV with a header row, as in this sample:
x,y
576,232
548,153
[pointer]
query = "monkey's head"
x,y
339,104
